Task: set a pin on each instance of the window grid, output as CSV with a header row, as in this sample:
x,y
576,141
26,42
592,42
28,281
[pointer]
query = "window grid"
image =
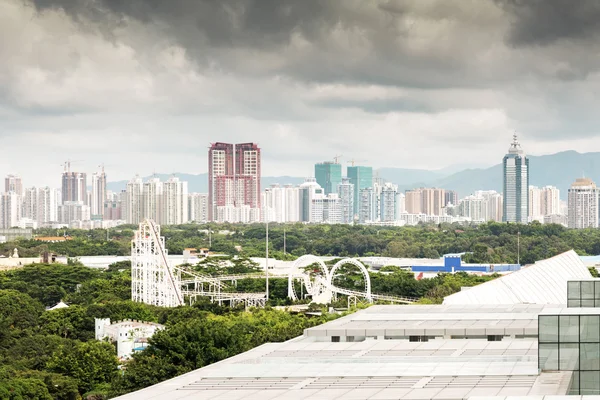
x,y
572,353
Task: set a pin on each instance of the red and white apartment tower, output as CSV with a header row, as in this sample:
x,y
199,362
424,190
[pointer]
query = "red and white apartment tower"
x,y
233,176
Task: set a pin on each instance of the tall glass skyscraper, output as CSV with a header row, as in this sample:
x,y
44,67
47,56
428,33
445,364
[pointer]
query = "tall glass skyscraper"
x,y
516,184
361,178
328,176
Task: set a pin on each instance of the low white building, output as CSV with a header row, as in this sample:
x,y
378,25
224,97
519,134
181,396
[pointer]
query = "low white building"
x,y
130,335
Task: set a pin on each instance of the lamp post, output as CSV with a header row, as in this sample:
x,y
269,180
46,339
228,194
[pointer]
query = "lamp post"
x,y
267,263
519,247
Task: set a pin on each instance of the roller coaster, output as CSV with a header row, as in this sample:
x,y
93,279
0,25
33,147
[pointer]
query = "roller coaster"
x,y
155,281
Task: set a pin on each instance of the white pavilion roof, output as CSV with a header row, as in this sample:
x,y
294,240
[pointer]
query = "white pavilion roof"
x,y
544,282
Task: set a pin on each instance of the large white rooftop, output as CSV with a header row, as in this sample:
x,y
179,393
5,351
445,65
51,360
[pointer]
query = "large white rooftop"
x,y
541,283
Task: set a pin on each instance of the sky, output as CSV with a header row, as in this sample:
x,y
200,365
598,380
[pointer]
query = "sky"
x,y
145,86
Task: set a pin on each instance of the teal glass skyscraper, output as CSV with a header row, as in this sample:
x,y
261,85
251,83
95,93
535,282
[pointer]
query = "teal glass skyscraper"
x,y
328,176
361,178
516,184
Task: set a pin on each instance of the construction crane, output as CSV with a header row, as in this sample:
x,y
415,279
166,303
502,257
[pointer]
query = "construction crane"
x,y
337,158
67,164
353,161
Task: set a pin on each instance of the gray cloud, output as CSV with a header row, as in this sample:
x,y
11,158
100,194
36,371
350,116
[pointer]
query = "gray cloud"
x,y
544,22
306,79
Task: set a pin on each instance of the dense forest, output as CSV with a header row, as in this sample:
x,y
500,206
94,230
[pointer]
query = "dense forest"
x,y
52,354
490,242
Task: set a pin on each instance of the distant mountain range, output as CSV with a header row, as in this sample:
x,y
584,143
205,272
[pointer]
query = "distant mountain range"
x,y
559,170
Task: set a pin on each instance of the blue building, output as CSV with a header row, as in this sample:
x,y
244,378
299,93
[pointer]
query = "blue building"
x,y
453,263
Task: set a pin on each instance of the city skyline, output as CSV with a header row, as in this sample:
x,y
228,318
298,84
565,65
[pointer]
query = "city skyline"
x,y
321,81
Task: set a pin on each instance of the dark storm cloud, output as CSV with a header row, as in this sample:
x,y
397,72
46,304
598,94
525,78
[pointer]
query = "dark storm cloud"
x,y
544,22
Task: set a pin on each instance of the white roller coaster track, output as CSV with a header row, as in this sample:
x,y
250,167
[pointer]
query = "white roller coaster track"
x,y
321,288
154,281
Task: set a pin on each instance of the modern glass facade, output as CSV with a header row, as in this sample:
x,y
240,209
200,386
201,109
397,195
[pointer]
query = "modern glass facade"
x,y
572,343
583,293
361,178
516,184
328,176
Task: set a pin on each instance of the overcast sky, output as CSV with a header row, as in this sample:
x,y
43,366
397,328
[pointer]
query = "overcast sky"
x,y
147,85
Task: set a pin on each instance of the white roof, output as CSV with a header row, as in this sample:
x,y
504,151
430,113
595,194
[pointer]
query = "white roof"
x,y
544,282
58,306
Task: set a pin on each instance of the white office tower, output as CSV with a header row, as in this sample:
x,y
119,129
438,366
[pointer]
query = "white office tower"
x,y
71,211
152,199
388,206
134,201
10,209
292,203
400,204
307,192
472,207
583,200
550,199
535,204
332,209
47,205
273,204
346,195
367,209
98,194
493,206
482,206
198,207
174,202
30,203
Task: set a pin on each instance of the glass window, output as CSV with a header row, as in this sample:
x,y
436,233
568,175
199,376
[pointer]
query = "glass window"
x,y
574,388
589,328
587,303
568,328
574,303
569,357
589,356
548,357
587,290
573,291
548,328
597,291
589,382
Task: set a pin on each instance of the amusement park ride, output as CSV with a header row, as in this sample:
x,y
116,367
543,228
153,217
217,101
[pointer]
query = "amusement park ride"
x,y
155,281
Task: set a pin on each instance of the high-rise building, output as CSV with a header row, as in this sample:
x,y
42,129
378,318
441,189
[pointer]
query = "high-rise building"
x,y
221,177
583,200
198,207
368,206
30,204
550,199
400,203
308,191
10,209
152,197
47,205
345,192
450,197
535,203
247,174
70,211
484,205
98,196
174,202
516,184
388,208
13,183
329,176
361,177
413,203
432,201
74,186
234,178
133,209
